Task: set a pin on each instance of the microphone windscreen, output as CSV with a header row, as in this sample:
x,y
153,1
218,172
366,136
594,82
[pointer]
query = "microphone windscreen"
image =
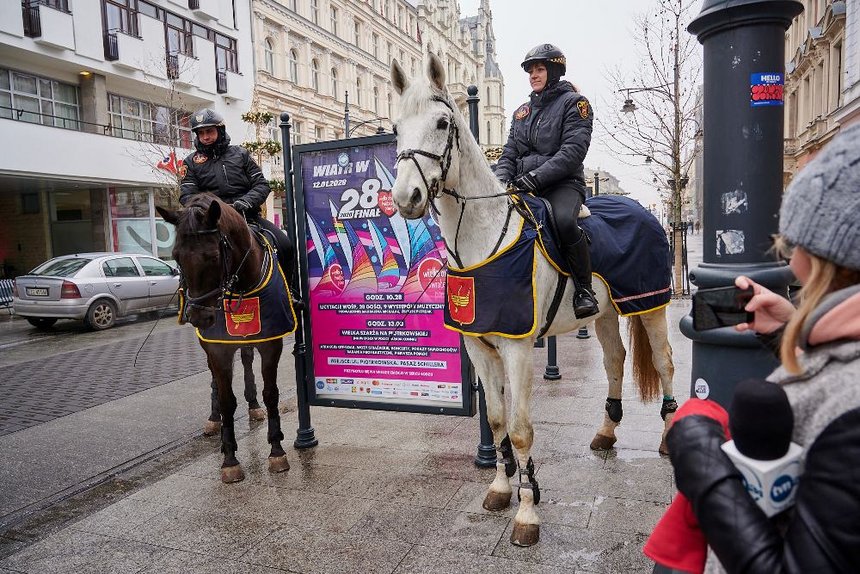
x,y
761,420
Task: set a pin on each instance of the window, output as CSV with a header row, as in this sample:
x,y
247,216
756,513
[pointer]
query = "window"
x,y
226,56
142,121
334,92
120,16
315,12
376,100
292,6
38,100
358,91
178,35
334,20
489,133
294,67
390,53
154,267
269,56
319,133
297,132
388,13
356,33
315,75
400,17
374,45
120,267
390,114
488,95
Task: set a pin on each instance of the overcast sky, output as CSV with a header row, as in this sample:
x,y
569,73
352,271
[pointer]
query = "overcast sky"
x,y
594,36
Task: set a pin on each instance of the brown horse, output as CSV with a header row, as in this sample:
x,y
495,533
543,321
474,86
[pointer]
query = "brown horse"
x,y
218,255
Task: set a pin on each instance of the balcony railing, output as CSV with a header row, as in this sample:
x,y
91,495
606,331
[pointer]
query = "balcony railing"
x,y
173,66
32,20
221,81
193,4
111,47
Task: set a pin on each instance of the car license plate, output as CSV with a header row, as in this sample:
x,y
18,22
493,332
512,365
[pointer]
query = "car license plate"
x,y
37,291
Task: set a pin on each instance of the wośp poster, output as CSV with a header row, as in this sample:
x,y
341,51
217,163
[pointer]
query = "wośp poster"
x,y
376,284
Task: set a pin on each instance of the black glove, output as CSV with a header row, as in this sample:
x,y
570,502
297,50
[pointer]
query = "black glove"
x,y
699,462
527,182
241,206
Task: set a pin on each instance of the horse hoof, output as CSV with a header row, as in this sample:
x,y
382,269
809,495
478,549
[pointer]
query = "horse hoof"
x,y
495,501
278,464
232,474
257,414
601,442
211,428
525,534
664,449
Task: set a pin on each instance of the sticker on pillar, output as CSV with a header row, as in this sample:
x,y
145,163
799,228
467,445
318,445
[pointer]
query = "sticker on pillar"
x,y
766,89
702,389
730,242
734,202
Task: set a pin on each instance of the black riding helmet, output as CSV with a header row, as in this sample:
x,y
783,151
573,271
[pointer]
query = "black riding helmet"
x,y
552,57
205,118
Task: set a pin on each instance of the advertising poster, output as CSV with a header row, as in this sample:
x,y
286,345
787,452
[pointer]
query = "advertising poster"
x,y
375,288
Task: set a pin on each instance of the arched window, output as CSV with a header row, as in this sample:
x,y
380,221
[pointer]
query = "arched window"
x,y
269,56
334,92
315,75
376,100
294,66
488,95
358,91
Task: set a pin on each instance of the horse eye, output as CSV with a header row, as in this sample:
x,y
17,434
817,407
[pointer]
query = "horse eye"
x,y
442,124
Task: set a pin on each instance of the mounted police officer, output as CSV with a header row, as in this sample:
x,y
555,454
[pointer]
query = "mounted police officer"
x,y
229,172
544,155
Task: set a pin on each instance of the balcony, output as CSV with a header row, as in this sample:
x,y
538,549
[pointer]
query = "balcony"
x,y
172,66
205,9
57,25
32,20
111,45
221,81
124,51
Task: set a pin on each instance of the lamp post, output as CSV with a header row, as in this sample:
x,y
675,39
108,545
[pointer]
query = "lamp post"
x,y
379,130
744,46
346,112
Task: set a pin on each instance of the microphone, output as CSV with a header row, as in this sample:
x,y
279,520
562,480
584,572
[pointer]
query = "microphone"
x,y
761,423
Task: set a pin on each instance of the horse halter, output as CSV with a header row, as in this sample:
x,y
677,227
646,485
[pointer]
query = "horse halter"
x,y
228,279
437,186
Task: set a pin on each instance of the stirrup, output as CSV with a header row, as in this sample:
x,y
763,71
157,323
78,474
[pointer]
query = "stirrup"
x,y
587,305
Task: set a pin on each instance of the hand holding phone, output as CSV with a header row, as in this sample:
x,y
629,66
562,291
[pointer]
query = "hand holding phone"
x,y
721,307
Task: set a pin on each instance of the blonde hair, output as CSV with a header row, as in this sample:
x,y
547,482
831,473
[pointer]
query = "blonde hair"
x,y
824,277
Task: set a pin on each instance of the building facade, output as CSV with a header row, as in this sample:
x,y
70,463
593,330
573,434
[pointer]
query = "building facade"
x,y
822,76
93,94
327,62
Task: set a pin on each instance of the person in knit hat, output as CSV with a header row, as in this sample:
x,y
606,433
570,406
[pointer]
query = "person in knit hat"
x,y
819,349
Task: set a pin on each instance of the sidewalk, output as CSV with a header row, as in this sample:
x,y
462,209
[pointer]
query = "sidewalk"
x,y
394,492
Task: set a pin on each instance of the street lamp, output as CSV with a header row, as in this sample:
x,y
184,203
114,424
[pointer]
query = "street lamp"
x,y
630,107
379,130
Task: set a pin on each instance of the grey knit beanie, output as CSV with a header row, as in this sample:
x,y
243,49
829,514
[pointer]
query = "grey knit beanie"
x,y
821,207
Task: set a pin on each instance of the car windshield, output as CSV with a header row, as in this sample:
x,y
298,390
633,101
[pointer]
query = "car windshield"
x,y
61,267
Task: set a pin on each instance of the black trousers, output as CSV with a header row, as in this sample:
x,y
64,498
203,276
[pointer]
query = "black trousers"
x,y
566,199
286,251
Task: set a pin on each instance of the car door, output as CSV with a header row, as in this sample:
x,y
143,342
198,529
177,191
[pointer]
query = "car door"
x,y
163,281
127,283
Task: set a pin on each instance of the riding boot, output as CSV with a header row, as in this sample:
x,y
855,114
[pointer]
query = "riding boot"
x,y
584,303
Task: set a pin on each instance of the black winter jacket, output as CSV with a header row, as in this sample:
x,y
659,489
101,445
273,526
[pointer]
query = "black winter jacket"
x,y
230,175
550,136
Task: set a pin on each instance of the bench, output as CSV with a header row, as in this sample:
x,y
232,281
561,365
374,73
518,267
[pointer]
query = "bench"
x,y
6,294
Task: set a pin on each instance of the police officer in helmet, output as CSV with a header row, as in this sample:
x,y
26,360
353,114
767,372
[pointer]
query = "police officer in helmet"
x,y
229,172
544,155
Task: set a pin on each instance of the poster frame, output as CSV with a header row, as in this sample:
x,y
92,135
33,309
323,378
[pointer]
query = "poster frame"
x,y
468,404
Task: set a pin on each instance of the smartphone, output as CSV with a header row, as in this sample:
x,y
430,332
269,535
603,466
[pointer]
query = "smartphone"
x,y
720,307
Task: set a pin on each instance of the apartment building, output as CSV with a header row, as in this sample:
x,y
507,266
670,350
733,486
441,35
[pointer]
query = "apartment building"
x,y
327,62
93,95
822,82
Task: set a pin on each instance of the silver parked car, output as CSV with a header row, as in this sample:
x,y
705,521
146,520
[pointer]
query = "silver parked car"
x,y
95,287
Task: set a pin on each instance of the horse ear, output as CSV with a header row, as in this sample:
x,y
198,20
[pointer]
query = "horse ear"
x,y
436,72
213,214
398,77
168,215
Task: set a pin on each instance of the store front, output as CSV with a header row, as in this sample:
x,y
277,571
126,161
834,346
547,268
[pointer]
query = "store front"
x,y
135,225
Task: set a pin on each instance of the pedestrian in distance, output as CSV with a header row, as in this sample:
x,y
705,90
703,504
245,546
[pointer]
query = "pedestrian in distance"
x,y
544,155
819,349
229,172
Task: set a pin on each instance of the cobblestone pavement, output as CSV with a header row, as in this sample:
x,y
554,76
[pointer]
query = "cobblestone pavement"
x,y
40,390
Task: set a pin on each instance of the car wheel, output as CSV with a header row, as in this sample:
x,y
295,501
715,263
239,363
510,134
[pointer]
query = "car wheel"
x,y
41,322
101,315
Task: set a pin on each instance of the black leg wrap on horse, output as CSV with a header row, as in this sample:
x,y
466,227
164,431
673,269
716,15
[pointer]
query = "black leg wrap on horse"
x,y
528,480
506,456
275,433
614,409
669,406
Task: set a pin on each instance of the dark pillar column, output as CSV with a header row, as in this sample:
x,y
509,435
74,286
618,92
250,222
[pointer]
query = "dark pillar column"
x,y
744,47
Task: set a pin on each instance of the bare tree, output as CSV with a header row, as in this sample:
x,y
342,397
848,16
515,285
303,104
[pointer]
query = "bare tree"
x,y
658,119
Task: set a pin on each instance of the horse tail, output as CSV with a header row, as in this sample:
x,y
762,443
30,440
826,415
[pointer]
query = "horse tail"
x,y
645,373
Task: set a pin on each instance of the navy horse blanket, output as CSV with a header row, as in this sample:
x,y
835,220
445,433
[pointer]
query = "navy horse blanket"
x,y
629,253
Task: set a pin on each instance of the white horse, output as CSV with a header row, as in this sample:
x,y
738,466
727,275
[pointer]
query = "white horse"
x,y
440,164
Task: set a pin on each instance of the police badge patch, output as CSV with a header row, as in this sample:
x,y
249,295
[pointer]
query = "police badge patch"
x,y
199,158
583,108
522,112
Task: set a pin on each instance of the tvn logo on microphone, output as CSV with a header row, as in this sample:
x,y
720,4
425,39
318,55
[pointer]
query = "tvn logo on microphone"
x,y
771,483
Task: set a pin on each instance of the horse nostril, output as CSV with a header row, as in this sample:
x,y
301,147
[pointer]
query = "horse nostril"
x,y
416,195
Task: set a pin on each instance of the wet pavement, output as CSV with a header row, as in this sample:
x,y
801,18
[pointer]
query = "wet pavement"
x,y
382,492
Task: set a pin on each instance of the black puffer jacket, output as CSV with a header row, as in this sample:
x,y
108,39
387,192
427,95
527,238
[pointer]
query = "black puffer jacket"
x,y
229,172
549,135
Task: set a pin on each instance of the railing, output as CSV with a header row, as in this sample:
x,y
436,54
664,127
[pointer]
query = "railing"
x,y
32,20
221,81
173,66
111,47
193,4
